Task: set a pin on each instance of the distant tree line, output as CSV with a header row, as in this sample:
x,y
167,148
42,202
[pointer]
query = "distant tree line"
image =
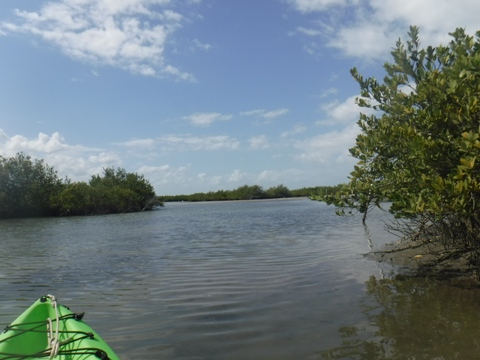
x,y
32,188
253,192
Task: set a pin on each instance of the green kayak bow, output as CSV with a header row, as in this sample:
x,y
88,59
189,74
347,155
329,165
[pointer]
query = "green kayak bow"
x,y
48,330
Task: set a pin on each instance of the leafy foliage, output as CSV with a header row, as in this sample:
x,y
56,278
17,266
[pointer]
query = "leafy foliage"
x,y
421,149
32,188
26,186
115,192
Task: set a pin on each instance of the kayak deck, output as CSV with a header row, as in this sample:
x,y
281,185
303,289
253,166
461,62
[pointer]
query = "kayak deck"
x,y
50,330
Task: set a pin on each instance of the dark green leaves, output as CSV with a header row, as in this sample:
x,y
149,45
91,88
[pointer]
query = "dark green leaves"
x,y
421,153
26,186
31,188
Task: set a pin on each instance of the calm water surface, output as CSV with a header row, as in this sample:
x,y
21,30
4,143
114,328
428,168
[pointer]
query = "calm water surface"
x,y
235,280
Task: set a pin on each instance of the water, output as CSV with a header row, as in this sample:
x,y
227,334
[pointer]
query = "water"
x,y
234,280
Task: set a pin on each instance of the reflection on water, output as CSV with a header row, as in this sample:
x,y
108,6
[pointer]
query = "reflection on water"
x,y
236,280
412,318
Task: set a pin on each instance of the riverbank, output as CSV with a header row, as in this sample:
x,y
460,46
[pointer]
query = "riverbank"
x,y
410,258
239,201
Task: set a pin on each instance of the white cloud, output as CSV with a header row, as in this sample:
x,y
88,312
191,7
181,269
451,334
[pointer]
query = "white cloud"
x,y
274,113
329,92
237,176
216,182
75,161
259,142
346,112
369,29
269,177
205,119
79,163
307,6
298,129
128,34
171,70
43,143
207,143
368,41
256,112
308,31
328,148
435,17
94,164
265,114
165,174
187,142
198,44
3,137
148,144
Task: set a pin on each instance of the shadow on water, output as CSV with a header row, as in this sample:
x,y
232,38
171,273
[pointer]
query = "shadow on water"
x,y
412,318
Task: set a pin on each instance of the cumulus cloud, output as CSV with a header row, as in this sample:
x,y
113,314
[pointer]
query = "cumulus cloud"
x,y
269,177
346,112
328,148
369,29
165,174
43,143
79,163
75,161
205,119
128,34
237,176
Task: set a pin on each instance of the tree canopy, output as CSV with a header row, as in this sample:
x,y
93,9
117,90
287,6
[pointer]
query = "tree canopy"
x,y
32,188
26,186
420,148
115,192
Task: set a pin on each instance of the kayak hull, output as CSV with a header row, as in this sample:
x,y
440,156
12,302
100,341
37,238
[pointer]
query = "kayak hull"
x,y
50,330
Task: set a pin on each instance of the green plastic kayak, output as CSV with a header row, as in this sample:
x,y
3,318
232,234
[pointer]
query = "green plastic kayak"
x,y
48,330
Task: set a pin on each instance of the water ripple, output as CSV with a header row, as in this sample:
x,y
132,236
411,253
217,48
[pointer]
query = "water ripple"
x,y
195,281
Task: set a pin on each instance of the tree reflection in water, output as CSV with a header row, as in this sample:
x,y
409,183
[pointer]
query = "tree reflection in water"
x,y
412,318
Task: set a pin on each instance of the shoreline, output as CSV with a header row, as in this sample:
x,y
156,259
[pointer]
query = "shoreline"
x,y
227,201
414,259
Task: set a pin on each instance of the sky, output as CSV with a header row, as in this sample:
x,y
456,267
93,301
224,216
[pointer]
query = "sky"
x,y
201,95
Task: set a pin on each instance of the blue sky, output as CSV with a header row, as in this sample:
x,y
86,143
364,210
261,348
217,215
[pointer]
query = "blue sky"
x,y
200,95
